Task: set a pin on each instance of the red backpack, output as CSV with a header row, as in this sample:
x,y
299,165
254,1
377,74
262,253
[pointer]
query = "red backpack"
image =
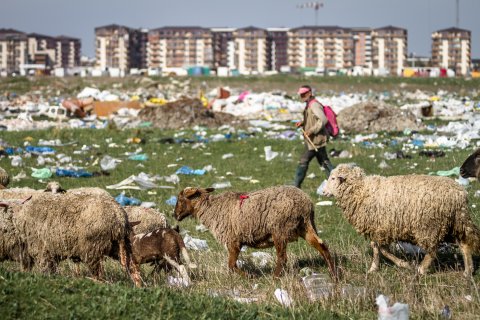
x,y
332,125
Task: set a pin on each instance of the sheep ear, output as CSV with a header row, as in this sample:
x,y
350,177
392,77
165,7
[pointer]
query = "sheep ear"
x,y
134,223
188,192
341,179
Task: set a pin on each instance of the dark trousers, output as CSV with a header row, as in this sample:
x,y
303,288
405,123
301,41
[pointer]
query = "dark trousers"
x,y
302,168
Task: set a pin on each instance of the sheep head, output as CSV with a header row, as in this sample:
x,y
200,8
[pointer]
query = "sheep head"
x,y
54,187
186,201
471,166
340,177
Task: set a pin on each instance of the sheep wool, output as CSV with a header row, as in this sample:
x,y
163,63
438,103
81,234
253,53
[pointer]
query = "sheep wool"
x,y
4,178
150,219
423,210
10,244
270,217
84,224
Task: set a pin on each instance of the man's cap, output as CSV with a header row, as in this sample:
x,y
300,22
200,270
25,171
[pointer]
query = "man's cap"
x,y
303,90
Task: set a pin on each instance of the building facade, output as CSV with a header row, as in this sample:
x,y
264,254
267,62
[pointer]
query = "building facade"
x,y
120,47
13,50
389,50
180,47
250,50
67,52
320,47
362,47
277,48
451,49
223,48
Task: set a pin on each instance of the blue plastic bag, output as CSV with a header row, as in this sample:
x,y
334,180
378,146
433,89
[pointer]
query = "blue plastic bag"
x,y
171,201
187,170
123,200
73,173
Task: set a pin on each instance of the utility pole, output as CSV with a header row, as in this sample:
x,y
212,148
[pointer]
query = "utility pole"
x,y
458,13
312,5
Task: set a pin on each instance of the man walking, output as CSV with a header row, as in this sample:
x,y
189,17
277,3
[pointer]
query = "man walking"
x,y
315,134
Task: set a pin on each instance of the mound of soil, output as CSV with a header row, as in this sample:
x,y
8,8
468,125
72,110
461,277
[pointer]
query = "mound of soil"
x,y
373,116
186,113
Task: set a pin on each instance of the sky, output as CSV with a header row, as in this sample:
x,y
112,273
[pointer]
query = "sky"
x,y
78,18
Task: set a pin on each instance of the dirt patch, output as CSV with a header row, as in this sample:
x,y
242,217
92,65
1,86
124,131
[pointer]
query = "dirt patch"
x,y
185,113
370,117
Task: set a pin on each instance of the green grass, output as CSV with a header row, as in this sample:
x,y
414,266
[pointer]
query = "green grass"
x,y
70,295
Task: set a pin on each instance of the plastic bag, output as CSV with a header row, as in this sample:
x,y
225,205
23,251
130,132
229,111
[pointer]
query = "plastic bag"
x,y
123,200
171,201
269,154
108,163
44,173
73,173
399,311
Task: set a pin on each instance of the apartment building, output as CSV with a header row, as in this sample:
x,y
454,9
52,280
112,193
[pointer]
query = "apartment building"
x,y
67,52
41,49
180,47
389,49
451,49
362,47
13,50
120,47
277,48
223,47
323,47
250,50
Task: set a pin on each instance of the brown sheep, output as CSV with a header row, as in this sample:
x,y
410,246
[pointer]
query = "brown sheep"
x,y
270,217
163,247
471,166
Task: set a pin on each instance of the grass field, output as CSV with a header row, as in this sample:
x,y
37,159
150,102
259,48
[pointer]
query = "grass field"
x,y
72,295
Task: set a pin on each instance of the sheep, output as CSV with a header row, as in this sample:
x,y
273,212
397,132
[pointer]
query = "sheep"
x,y
151,219
423,210
54,187
17,193
11,248
259,219
162,246
471,166
4,178
84,224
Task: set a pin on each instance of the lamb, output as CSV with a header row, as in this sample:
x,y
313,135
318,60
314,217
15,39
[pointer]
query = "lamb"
x,y
151,219
83,224
161,246
260,219
423,210
471,166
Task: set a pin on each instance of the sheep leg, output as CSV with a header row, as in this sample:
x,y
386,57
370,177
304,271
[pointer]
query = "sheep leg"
x,y
233,252
426,262
397,261
129,263
314,240
376,257
281,249
467,259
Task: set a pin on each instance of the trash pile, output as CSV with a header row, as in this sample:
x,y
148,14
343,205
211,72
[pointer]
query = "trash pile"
x,y
371,117
185,113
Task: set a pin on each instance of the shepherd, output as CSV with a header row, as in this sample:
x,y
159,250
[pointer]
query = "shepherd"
x,y
314,129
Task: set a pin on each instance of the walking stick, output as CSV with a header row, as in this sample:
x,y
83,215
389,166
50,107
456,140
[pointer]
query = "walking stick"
x,y
308,139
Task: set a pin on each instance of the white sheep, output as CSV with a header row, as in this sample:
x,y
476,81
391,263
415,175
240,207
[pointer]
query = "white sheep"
x,y
423,210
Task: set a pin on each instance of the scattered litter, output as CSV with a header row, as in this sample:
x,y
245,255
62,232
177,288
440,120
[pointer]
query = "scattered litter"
x,y
21,175
283,297
222,185
195,244
445,313
261,259
178,282
318,286
446,173
73,173
108,163
409,248
383,165
399,311
171,201
324,203
123,200
227,155
17,161
269,154
141,181
311,176
321,188
138,157
432,153
188,171
44,173
146,204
